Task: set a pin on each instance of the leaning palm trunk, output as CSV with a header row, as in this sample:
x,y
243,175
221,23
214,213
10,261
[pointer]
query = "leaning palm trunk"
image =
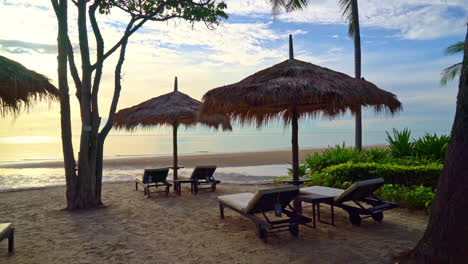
x,y
446,236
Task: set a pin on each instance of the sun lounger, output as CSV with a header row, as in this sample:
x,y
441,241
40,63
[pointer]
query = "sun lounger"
x,y
153,178
201,175
7,231
277,199
358,193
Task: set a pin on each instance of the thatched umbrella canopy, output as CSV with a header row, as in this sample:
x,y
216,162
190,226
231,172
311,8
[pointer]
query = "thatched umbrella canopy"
x,y
292,89
20,87
173,109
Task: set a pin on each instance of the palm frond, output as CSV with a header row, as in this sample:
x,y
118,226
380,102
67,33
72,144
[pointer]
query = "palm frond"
x,y
450,73
277,6
455,48
294,5
348,15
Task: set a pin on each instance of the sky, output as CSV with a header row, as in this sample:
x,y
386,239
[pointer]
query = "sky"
x,y
403,44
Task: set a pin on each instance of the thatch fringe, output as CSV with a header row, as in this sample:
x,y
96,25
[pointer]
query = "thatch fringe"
x,y
20,87
167,109
271,93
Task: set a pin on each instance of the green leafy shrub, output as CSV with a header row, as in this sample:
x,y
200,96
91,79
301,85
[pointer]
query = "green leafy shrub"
x,y
341,154
376,155
399,144
426,175
432,147
326,179
280,178
303,169
414,197
332,156
407,161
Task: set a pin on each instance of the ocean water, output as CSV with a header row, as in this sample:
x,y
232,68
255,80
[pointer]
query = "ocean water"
x,y
26,149
37,149
31,178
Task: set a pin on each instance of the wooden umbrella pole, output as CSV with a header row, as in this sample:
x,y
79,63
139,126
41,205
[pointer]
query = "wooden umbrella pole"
x,y
174,142
295,156
295,146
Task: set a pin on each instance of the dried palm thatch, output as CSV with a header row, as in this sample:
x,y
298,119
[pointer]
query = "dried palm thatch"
x,y
292,89
311,89
20,87
168,109
173,109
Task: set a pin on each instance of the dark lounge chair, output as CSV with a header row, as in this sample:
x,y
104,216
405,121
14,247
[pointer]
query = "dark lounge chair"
x,y
153,178
358,193
7,231
263,201
201,175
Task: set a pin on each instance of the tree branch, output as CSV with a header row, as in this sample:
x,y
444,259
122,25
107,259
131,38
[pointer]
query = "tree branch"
x,y
115,99
56,7
73,69
99,54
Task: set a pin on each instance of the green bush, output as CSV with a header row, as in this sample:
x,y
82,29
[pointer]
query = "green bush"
x,y
280,178
376,155
341,154
426,175
326,179
303,169
407,161
399,144
432,147
414,197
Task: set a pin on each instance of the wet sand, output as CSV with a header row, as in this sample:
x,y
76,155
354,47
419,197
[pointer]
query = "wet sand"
x,y
187,229
221,160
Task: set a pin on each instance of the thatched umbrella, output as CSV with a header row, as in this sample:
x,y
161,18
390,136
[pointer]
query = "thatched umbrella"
x,y
19,87
173,109
292,89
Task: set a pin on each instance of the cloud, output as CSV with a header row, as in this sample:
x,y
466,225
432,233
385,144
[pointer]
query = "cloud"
x,y
17,46
413,19
204,59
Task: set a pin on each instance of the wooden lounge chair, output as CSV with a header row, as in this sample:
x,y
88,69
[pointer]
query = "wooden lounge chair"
x,y
358,193
153,178
277,199
7,231
201,175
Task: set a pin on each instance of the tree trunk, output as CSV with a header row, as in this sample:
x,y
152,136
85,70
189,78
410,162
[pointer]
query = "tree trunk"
x,y
86,196
99,167
446,236
110,120
295,153
357,69
174,146
65,121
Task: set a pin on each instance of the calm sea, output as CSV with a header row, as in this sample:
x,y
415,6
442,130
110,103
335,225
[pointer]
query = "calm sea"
x,y
14,150
48,148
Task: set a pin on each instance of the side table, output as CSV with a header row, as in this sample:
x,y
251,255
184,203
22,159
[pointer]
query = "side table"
x,y
315,200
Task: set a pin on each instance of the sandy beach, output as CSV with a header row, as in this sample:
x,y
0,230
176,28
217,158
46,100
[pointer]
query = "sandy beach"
x,y
187,229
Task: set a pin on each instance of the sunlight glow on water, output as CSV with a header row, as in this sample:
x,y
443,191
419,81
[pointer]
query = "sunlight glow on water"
x,y
27,140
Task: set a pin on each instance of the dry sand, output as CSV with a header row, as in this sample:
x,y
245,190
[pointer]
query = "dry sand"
x,y
187,229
